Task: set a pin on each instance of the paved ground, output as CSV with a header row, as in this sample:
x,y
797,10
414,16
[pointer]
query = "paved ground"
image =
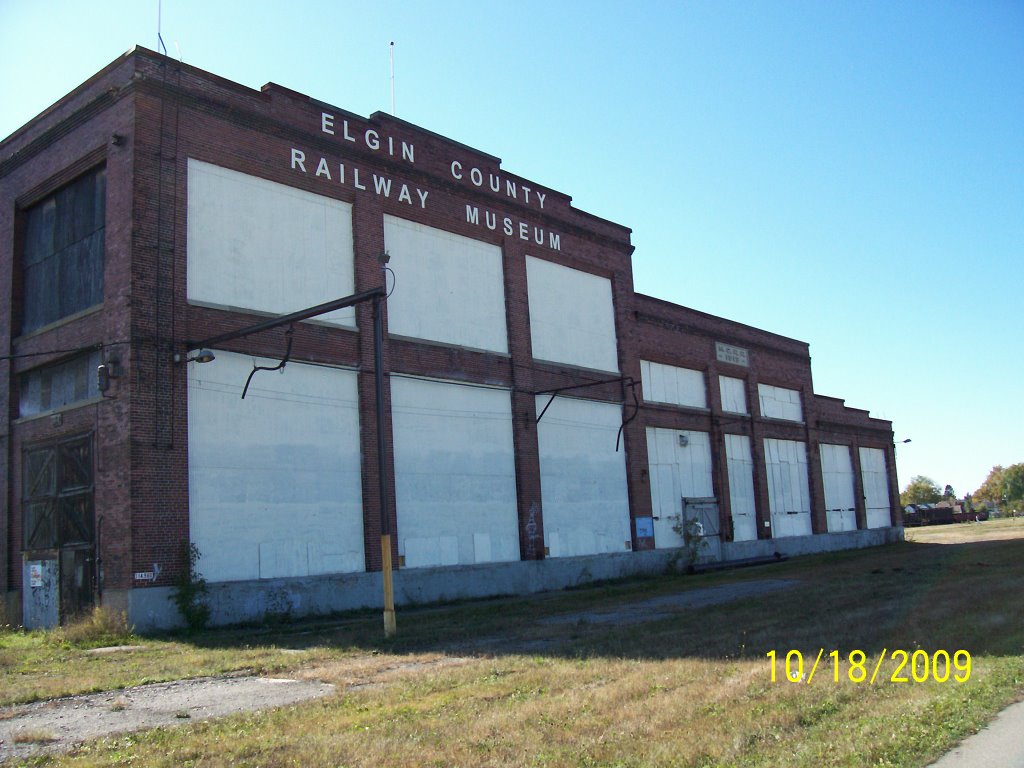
x,y
999,745
62,723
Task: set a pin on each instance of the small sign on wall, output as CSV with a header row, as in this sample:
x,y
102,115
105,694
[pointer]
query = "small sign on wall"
x,y
35,574
727,353
644,527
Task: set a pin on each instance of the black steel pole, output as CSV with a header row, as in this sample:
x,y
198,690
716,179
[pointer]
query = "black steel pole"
x,y
303,314
378,383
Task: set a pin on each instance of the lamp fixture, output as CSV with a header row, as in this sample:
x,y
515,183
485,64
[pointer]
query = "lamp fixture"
x,y
203,356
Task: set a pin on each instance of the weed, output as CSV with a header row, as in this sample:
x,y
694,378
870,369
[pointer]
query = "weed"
x,y
100,627
190,591
691,531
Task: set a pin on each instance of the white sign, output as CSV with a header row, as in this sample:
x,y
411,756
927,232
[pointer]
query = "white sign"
x,y
727,353
35,574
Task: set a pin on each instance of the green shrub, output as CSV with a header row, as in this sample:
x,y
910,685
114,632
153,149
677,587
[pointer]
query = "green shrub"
x,y
190,591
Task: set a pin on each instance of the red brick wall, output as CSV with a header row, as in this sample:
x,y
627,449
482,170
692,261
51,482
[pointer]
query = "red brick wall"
x,y
167,113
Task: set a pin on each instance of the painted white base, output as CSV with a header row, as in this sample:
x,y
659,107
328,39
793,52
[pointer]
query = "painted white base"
x,y
248,601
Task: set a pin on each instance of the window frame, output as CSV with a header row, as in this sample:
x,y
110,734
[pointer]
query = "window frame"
x,y
40,304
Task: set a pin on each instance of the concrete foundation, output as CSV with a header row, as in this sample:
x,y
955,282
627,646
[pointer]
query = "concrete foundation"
x,y
248,601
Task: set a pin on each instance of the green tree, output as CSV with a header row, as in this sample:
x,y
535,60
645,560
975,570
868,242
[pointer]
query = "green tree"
x,y
1004,487
949,493
992,488
920,490
1013,485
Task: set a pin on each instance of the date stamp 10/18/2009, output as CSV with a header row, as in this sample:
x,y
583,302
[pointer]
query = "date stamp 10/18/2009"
x,y
904,666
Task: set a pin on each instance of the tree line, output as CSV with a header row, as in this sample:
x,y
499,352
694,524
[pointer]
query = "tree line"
x,y
1003,489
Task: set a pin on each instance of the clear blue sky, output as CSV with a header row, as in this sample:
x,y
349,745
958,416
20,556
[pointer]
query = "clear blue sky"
x,y
849,174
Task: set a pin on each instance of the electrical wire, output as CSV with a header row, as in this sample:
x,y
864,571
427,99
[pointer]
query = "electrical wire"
x,y
636,411
394,282
43,353
280,366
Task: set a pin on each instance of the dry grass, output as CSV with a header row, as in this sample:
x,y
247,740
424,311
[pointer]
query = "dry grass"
x,y
33,736
101,626
485,684
1003,529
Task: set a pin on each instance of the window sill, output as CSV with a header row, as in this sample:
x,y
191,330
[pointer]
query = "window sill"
x,y
57,411
58,323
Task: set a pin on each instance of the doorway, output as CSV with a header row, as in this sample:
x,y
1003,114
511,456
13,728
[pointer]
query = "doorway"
x,y
58,524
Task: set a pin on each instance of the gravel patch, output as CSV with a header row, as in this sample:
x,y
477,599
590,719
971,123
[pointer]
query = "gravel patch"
x,y
60,724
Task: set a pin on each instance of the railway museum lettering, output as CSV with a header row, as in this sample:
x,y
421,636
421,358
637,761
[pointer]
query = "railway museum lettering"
x,y
384,186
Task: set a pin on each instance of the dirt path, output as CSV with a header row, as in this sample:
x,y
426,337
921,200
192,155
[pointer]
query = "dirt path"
x,y
60,724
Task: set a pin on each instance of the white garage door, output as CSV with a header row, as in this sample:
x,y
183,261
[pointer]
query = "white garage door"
x,y
789,496
455,482
837,474
582,478
680,467
876,487
741,487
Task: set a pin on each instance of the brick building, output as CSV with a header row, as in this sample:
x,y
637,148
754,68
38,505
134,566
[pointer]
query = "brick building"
x,y
543,424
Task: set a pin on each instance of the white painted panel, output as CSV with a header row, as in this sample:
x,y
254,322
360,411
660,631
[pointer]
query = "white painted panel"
x,y
789,498
284,558
673,385
780,403
448,288
676,472
482,547
572,319
255,244
274,480
583,478
837,475
734,394
454,473
876,488
741,487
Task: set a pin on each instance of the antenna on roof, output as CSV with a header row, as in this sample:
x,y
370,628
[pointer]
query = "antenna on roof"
x,y
159,18
392,78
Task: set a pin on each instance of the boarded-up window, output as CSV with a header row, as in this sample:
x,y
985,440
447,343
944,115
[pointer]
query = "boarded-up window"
x,y
734,394
259,245
669,384
780,403
57,386
57,496
572,316
63,253
449,288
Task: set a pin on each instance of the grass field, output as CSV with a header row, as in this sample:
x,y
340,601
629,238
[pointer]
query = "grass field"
x,y
528,682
